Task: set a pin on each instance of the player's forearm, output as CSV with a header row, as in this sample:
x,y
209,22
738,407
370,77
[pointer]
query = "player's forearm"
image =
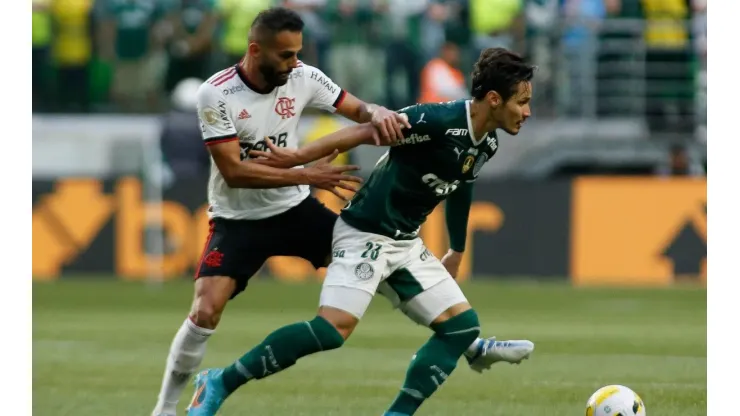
x,y
365,113
255,176
342,140
457,210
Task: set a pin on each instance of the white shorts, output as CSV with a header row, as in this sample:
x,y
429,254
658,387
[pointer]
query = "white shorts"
x,y
403,271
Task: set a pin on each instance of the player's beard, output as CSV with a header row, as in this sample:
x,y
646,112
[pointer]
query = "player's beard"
x,y
509,126
512,130
272,77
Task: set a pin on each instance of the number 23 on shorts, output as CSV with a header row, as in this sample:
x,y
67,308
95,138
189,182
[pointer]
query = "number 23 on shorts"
x,y
372,250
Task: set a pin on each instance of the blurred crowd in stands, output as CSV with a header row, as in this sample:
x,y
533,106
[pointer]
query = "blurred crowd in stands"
x,y
596,58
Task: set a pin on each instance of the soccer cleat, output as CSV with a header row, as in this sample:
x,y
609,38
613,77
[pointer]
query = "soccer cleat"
x,y
491,351
209,393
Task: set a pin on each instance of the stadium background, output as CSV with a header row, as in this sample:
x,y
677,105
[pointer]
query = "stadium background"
x,y
588,231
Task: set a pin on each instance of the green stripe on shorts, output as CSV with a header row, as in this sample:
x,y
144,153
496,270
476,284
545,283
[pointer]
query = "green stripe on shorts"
x,y
404,284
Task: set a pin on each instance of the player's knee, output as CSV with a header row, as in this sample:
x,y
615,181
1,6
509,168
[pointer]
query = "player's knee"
x,y
464,327
211,296
328,336
343,322
206,313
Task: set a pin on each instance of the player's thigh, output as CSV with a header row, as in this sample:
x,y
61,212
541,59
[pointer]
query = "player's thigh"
x,y
353,276
306,231
423,289
233,250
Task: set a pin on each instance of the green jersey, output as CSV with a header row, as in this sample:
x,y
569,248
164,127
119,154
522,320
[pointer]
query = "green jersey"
x,y
438,157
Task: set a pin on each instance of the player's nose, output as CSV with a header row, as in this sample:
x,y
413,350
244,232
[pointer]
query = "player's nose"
x,y
526,113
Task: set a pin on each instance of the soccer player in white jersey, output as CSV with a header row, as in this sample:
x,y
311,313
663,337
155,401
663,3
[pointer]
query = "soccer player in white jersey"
x,y
256,211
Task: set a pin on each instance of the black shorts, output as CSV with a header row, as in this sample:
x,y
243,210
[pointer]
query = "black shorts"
x,y
239,248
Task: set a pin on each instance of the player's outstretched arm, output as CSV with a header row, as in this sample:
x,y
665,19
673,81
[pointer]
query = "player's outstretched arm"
x,y
388,124
457,210
327,95
239,174
340,141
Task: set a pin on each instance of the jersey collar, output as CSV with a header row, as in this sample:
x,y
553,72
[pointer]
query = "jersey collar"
x,y
470,126
243,77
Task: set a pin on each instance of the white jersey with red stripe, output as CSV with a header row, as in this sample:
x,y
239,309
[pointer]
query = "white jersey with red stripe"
x,y
231,108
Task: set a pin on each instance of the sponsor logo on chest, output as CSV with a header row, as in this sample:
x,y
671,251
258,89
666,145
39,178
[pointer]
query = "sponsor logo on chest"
x,y
439,186
457,132
414,138
235,89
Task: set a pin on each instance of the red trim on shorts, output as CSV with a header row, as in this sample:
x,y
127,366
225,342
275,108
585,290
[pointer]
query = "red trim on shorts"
x,y
211,226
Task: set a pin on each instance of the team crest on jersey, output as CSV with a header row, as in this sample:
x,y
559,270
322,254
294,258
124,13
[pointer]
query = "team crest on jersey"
x,y
479,164
468,164
364,271
285,107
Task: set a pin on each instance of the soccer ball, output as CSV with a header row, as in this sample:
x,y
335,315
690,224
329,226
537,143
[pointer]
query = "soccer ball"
x,y
615,401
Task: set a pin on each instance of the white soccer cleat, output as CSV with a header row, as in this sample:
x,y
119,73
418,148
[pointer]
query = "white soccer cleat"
x,y
491,351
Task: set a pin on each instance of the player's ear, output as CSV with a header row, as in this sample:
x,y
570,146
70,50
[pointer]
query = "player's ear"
x,y
254,49
494,99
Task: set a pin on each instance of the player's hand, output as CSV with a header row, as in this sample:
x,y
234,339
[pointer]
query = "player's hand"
x,y
323,175
388,125
452,261
277,157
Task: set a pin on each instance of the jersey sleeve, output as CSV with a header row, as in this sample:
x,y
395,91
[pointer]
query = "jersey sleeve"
x,y
324,93
215,122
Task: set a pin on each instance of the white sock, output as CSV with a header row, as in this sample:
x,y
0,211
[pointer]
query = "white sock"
x,y
186,354
473,348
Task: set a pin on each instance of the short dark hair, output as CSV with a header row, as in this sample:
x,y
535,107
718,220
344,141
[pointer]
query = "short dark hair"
x,y
500,70
274,20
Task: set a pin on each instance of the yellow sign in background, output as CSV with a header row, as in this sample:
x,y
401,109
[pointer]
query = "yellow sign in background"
x,y
623,231
627,231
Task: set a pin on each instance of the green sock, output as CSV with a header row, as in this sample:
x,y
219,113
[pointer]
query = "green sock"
x,y
280,350
435,361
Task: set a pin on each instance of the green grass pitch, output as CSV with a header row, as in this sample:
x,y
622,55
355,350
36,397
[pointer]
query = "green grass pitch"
x,y
99,348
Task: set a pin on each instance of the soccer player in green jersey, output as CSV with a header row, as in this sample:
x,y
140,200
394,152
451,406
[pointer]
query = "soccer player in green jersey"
x,y
376,245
